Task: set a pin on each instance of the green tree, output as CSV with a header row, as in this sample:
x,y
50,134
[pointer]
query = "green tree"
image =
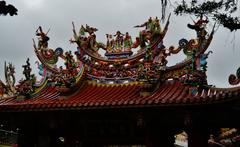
x,y
221,11
7,9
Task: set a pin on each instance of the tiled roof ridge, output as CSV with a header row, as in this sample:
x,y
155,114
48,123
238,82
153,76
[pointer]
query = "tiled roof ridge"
x,y
237,88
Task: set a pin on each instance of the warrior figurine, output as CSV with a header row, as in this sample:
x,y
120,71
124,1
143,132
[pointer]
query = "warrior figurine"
x,y
92,43
149,25
199,27
118,40
43,38
27,70
127,41
110,43
157,25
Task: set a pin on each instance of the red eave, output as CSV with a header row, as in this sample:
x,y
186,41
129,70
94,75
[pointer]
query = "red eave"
x,y
124,95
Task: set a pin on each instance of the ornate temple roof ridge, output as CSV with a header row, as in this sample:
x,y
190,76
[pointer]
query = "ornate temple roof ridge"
x,y
123,80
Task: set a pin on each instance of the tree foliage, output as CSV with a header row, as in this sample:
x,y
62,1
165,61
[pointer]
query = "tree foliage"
x,y
220,11
7,9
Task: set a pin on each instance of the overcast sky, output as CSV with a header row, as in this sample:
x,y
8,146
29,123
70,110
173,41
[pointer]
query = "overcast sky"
x,y
108,16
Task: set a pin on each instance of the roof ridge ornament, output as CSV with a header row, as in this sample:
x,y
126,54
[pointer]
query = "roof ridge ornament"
x,y
8,89
234,79
26,86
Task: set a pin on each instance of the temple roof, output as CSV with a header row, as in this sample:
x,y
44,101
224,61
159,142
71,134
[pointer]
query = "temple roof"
x,y
119,79
94,96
